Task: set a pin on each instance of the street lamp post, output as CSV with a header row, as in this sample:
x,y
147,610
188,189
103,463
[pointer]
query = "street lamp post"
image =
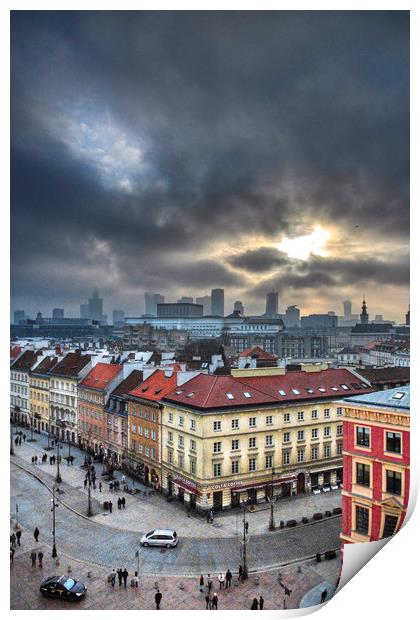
x,y
68,462
244,560
272,525
54,506
12,450
89,482
58,476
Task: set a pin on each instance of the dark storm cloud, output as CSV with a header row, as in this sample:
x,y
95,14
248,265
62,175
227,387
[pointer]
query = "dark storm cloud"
x,y
259,260
247,122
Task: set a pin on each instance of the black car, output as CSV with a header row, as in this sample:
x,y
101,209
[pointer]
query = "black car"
x,y
63,587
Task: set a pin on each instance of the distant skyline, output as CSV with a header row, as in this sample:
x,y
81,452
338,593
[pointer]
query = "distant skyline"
x,y
178,152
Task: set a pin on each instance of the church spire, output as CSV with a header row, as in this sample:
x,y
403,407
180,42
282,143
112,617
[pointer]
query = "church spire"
x,y
364,316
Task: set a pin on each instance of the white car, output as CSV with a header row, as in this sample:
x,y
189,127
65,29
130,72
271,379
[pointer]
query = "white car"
x,y
160,538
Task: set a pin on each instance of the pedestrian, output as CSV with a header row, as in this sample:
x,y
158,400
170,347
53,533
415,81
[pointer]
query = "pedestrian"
x,y
207,602
246,527
254,604
100,487
123,478
24,437
33,558
40,556
201,583
111,486
12,555
110,506
71,460
13,541
261,602
50,460
125,575
158,598
113,577
36,460
209,583
119,503
20,441
36,534
16,441
208,516
214,601
228,578
18,535
240,571
33,460
85,483
221,581
120,576
135,580
211,515
324,595
123,502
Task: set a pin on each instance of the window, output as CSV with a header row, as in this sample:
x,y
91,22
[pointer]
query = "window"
x,y
339,410
314,433
181,461
314,414
170,417
154,435
269,440
393,442
326,413
133,428
235,467
235,444
193,466
252,422
269,461
301,435
252,442
300,455
170,437
393,482
147,450
363,474
217,469
181,442
153,453
314,453
390,525
217,446
362,520
170,456
286,437
146,433
235,423
252,464
269,420
363,436
181,420
340,429
339,448
301,416
327,451
286,458
286,417
217,426
192,425
327,431
193,445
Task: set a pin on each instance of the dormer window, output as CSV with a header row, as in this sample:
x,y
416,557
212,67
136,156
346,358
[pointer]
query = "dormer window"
x,y
230,396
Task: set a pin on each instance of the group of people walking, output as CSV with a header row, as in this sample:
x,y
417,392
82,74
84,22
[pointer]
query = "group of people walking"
x,y
225,582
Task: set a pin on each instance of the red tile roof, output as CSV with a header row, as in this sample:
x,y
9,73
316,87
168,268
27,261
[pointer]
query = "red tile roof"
x,y
129,383
259,353
45,366
14,352
209,392
157,385
25,361
101,376
70,365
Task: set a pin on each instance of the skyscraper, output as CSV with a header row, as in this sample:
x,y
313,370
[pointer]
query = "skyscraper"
x,y
347,308
84,311
118,317
185,300
58,313
272,305
151,301
292,317
19,315
218,302
95,306
204,301
239,307
364,316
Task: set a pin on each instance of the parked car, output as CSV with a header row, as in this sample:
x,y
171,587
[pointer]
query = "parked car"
x,y
160,538
63,587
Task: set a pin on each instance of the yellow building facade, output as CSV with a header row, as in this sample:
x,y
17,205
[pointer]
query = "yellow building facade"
x,y
39,394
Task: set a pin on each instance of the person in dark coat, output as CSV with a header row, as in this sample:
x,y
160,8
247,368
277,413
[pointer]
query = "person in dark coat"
x,y
261,602
40,556
125,575
123,502
240,571
119,503
209,583
254,604
324,595
228,578
110,506
208,602
201,583
18,535
214,601
33,558
36,534
120,576
12,555
100,487
158,598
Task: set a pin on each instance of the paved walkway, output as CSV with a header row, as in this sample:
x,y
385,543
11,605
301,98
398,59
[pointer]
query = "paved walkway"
x,y
178,592
80,537
141,510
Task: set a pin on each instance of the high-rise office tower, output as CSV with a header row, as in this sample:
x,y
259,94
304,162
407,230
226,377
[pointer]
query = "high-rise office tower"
x,y
84,311
407,316
204,301
95,306
218,302
347,308
58,313
18,315
364,316
239,307
185,300
118,317
292,317
151,301
272,305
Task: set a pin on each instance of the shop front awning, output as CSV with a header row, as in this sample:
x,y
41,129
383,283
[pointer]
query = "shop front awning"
x,y
255,484
184,484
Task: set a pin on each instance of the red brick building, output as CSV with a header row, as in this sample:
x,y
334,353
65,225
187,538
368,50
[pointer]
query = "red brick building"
x,y
376,464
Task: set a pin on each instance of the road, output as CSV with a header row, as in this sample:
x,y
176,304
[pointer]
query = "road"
x,y
106,546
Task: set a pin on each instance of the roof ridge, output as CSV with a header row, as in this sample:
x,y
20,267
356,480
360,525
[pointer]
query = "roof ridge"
x,y
215,377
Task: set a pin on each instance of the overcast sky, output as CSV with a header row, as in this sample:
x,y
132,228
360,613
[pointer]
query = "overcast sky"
x,y
178,152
